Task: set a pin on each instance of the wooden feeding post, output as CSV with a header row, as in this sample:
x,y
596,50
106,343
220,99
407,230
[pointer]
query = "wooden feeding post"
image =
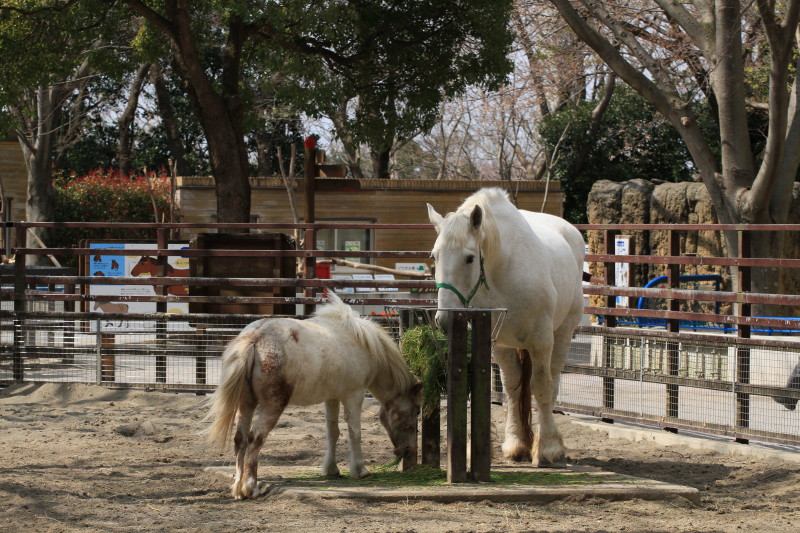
x,y
468,390
471,381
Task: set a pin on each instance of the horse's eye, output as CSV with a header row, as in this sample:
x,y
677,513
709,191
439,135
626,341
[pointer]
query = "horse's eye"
x,y
470,259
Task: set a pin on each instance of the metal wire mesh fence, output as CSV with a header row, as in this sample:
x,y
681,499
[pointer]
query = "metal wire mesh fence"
x,y
631,375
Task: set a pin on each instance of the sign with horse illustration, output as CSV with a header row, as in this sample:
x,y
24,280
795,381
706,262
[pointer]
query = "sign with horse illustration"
x,y
132,266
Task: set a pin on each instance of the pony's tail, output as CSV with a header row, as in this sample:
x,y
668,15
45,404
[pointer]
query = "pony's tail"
x,y
525,396
234,390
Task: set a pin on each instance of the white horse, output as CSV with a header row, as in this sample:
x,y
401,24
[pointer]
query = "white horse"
x,y
491,254
331,358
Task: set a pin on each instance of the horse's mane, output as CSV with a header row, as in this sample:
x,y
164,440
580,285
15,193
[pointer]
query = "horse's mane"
x,y
373,337
458,225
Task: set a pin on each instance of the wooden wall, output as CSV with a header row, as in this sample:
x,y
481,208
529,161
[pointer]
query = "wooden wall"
x,y
14,176
380,201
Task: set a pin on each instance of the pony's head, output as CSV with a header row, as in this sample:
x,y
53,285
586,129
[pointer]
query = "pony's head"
x,y
399,417
465,239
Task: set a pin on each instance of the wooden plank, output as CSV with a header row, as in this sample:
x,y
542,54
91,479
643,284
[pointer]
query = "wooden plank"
x,y
481,399
457,385
331,171
431,439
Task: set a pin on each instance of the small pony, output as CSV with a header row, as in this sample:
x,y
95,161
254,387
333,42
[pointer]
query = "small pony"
x,y
332,357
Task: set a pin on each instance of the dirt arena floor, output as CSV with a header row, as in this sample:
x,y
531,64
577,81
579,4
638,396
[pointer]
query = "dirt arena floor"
x,y
83,458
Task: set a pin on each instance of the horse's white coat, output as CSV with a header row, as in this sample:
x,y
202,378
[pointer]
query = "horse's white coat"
x,y
533,264
330,358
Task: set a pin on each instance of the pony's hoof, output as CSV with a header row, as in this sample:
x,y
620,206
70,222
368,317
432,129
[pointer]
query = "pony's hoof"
x,y
360,474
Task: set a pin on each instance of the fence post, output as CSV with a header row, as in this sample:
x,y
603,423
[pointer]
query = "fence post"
x,y
106,362
161,307
673,326
481,396
68,327
610,320
457,385
744,274
309,175
18,366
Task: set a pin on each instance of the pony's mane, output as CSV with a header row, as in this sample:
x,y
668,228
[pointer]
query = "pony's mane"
x,y
373,337
457,224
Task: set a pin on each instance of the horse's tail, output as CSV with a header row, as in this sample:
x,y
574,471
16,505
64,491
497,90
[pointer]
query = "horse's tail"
x,y
526,371
234,389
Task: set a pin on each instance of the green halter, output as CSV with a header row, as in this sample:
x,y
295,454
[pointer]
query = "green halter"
x,y
465,301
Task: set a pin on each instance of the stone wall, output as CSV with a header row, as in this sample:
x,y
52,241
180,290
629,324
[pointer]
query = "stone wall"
x,y
642,202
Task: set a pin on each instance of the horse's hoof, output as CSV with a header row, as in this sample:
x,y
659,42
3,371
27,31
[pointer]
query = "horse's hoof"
x,y
558,462
520,457
331,472
517,453
361,474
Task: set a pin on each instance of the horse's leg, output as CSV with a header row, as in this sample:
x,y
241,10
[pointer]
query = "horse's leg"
x,y
352,413
548,448
244,417
518,441
562,341
329,467
268,417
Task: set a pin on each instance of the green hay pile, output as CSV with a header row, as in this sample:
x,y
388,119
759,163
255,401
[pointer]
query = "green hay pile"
x,y
425,350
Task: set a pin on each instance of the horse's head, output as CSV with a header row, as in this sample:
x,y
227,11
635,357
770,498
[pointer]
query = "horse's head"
x,y
142,266
399,417
458,258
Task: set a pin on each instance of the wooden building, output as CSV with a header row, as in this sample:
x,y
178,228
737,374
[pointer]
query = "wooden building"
x,y
14,176
368,201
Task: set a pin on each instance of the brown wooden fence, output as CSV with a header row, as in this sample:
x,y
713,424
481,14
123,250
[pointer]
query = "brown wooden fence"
x,y
670,365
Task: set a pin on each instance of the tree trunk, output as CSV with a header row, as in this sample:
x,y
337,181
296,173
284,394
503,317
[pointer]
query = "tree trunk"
x,y
216,103
740,192
380,164
220,114
125,140
165,109
352,154
264,153
37,148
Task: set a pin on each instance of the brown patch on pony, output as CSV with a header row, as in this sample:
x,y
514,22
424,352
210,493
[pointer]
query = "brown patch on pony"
x,y
293,334
526,368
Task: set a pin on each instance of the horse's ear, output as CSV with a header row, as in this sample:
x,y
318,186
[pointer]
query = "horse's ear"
x,y
476,217
435,218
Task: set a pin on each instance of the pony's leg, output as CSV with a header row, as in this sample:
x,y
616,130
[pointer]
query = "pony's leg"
x,y
329,467
244,417
352,413
248,484
548,448
518,439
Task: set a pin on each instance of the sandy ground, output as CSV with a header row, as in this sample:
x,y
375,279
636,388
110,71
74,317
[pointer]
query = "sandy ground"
x,y
83,458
